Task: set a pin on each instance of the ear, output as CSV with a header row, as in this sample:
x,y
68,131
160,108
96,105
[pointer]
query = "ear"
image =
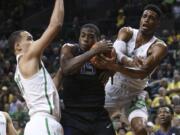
x,y
17,47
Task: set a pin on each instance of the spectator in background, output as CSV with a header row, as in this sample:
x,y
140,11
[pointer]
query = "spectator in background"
x,y
176,9
173,40
4,97
174,86
167,6
165,116
13,105
176,119
165,34
153,87
175,100
161,99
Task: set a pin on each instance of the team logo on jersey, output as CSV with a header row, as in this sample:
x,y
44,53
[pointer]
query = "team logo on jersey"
x,y
88,69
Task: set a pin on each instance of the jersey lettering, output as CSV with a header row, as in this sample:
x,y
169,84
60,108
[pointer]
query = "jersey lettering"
x,y
88,69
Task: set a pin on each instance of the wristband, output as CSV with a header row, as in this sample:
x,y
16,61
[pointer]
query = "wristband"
x,y
120,48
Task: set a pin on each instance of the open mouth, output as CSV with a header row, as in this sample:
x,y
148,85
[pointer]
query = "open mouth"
x,y
163,119
145,26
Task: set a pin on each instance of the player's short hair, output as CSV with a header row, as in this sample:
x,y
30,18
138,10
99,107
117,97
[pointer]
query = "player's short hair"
x,y
154,8
92,26
14,37
167,106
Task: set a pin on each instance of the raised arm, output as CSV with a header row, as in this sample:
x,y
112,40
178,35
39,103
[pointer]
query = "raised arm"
x,y
30,62
10,128
53,28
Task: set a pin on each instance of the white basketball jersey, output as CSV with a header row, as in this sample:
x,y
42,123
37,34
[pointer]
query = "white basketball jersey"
x,y
124,87
3,124
39,92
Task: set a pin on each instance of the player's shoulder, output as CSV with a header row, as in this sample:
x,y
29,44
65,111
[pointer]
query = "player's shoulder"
x,y
125,34
127,30
160,43
6,115
69,45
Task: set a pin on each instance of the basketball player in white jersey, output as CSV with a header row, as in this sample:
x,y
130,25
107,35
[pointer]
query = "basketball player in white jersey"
x,y
33,80
138,54
6,124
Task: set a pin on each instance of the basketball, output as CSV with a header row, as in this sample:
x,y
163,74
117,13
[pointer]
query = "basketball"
x,y
110,55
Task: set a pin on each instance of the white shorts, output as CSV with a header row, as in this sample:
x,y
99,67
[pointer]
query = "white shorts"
x,y
116,102
41,124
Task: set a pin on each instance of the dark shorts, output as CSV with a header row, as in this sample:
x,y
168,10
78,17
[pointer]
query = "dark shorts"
x,y
86,122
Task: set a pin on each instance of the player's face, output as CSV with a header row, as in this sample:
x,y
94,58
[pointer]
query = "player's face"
x,y
87,38
26,40
149,22
164,115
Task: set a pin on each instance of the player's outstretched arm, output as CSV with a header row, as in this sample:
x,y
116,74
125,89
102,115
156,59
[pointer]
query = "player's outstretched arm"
x,y
70,64
53,28
157,53
10,128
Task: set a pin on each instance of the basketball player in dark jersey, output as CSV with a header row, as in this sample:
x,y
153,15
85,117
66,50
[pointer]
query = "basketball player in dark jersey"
x,y
83,91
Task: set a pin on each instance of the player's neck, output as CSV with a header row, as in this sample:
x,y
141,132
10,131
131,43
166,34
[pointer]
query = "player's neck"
x,y
143,38
19,53
165,127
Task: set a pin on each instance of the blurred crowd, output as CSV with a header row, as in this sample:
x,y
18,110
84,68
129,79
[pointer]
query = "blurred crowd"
x,y
164,88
